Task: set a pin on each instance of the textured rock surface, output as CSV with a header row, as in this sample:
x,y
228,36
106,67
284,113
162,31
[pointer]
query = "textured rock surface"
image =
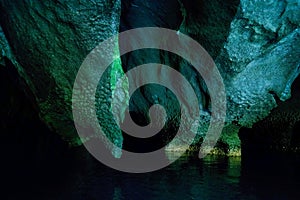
x,y
256,46
184,19
256,49
4,46
260,59
265,79
50,39
279,132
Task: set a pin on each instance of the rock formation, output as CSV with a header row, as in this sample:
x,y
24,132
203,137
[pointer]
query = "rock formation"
x,y
255,44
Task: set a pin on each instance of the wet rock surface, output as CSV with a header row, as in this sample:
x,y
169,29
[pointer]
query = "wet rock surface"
x,y
50,40
279,132
255,44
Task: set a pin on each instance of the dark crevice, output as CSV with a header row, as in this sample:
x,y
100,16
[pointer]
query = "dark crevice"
x,y
208,22
279,132
28,148
275,96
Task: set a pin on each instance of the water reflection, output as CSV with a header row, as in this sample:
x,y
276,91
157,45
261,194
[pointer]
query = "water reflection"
x,y
271,176
259,177
117,194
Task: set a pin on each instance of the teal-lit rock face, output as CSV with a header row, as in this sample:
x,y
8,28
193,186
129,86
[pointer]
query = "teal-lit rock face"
x,y
255,44
50,40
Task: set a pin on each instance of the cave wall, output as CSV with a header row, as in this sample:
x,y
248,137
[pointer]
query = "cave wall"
x,y
279,132
48,41
260,60
255,45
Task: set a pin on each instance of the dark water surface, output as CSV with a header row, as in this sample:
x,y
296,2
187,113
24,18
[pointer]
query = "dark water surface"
x,y
263,177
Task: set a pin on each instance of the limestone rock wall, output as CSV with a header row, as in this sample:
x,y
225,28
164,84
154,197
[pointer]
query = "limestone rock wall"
x,y
49,41
255,44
